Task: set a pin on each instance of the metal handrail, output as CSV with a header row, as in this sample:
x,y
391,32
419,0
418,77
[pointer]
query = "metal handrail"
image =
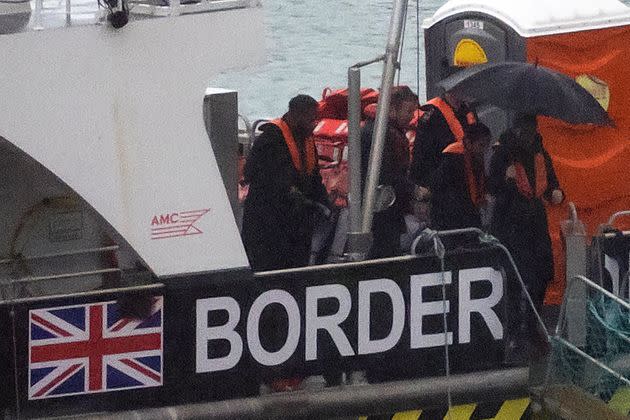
x,y
561,322
87,294
90,12
251,136
177,8
602,290
617,215
603,234
331,266
439,250
382,114
591,359
601,230
66,275
60,254
347,400
573,213
489,239
591,284
355,202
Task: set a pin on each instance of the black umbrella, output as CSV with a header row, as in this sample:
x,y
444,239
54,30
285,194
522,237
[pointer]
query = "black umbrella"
x,y
528,89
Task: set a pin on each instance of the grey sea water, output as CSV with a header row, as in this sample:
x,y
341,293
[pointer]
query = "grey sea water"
x,y
311,43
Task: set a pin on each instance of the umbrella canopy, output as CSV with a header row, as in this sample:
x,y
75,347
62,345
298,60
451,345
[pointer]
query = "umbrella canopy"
x,y
528,89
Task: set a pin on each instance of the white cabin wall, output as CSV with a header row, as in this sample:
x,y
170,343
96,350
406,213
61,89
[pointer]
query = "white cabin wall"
x,y
118,117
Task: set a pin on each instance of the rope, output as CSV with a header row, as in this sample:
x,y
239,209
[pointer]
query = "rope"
x,y
418,49
15,364
402,44
440,252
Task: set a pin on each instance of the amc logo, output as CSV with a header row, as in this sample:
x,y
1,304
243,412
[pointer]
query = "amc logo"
x,y
175,224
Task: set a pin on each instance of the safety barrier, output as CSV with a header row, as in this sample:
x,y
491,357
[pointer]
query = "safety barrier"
x,y
177,7
358,400
591,379
611,251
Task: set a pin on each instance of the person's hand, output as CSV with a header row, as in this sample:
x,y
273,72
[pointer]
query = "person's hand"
x,y
295,194
421,193
510,172
323,210
421,211
334,198
557,196
298,200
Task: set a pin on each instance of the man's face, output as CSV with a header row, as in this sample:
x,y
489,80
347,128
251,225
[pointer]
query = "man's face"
x,y
478,147
306,123
404,113
526,132
453,101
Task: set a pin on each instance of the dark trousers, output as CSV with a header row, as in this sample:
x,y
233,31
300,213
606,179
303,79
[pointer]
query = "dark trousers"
x,y
386,230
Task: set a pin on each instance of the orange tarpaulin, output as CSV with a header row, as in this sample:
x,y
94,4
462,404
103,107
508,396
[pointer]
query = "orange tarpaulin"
x,y
591,162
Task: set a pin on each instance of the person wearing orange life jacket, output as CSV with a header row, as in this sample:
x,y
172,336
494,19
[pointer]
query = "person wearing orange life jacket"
x,y
389,224
286,194
459,185
522,178
443,120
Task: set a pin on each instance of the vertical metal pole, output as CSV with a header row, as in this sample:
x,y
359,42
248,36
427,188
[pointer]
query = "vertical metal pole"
x,y
574,233
354,146
358,243
382,116
68,12
38,15
175,7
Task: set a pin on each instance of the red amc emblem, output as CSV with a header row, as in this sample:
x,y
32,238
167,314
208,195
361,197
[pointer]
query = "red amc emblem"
x,y
172,225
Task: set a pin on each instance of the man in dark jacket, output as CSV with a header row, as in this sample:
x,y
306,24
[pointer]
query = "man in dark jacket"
x,y
459,185
389,224
443,120
286,193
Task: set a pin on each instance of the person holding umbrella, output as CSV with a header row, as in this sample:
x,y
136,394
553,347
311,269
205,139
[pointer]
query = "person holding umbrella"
x,y
522,179
522,175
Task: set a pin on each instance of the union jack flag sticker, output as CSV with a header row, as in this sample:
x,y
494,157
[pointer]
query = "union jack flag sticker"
x,y
89,348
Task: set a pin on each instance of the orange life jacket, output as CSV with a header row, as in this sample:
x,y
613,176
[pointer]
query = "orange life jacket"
x,y
309,144
476,185
449,115
522,181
